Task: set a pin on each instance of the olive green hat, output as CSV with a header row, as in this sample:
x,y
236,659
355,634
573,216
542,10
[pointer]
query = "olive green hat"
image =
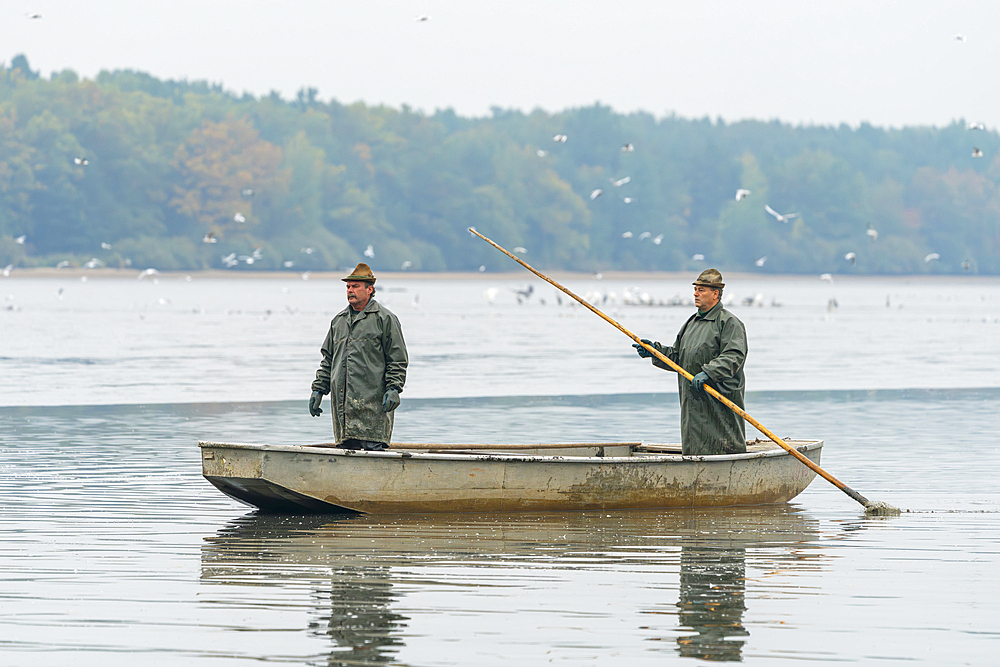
x,y
362,273
710,278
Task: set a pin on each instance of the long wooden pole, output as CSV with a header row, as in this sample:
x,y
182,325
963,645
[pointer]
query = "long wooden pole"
x,y
397,446
877,507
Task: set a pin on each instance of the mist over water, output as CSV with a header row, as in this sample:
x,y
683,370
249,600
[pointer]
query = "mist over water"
x,y
114,545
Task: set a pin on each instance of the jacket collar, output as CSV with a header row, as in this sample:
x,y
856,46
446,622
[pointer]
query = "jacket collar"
x,y
370,307
712,314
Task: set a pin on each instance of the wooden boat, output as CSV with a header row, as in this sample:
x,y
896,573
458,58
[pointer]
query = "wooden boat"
x,y
428,478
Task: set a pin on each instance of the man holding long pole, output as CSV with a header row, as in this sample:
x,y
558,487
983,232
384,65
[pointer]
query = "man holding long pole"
x,y
712,346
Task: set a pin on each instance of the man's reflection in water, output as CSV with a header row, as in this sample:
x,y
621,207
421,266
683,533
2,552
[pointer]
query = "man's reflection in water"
x,y
353,609
355,613
711,602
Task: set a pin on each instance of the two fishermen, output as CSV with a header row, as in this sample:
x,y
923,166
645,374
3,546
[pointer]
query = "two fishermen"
x,y
363,367
712,346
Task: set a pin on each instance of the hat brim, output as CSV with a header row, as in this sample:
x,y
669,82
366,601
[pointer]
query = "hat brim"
x,y
359,279
712,285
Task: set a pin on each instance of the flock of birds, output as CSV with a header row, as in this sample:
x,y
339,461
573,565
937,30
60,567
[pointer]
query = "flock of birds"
x,y
232,260
741,194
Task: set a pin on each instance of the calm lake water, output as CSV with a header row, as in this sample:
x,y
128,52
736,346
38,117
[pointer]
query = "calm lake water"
x,y
114,549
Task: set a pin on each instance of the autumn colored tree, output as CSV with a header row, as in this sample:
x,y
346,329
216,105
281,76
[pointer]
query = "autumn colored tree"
x,y
221,167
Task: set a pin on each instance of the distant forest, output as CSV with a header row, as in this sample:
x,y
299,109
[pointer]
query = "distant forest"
x,y
129,170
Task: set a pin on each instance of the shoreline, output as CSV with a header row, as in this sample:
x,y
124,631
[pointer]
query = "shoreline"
x,y
559,275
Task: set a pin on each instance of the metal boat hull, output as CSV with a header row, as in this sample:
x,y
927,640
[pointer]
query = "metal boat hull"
x,y
304,478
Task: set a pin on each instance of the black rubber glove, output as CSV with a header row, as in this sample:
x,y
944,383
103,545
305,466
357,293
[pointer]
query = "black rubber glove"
x,y
315,401
391,400
699,380
643,352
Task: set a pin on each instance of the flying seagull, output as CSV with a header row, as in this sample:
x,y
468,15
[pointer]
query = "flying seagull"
x,y
959,37
627,200
976,152
81,161
148,272
976,126
851,257
931,257
780,217
697,257
247,192
760,261
520,250
560,138
742,194
658,239
827,277
422,19
628,148
370,252
626,235
406,264
621,181
541,153
240,218
105,246
644,235
21,239
596,193
33,16
210,238
872,233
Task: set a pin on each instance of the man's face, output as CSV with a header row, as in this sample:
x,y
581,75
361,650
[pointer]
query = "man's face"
x,y
358,294
705,297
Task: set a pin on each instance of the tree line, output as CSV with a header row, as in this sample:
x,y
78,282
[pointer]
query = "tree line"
x,y
130,170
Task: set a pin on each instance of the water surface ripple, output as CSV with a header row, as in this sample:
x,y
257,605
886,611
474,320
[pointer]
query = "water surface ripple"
x,y
114,547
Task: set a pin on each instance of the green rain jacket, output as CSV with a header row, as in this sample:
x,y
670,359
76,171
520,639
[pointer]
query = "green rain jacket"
x,y
716,343
363,356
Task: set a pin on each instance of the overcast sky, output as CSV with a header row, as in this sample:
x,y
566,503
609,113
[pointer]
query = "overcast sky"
x,y
888,62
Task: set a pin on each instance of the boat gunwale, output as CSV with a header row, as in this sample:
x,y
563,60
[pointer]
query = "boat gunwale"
x,y
651,457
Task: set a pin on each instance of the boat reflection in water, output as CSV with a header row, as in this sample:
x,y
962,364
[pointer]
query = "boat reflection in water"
x,y
368,575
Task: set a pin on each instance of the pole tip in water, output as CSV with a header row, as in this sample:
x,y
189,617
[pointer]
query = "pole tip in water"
x,y
879,508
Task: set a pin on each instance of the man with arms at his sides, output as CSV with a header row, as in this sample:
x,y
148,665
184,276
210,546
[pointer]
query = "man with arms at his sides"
x,y
363,367
712,346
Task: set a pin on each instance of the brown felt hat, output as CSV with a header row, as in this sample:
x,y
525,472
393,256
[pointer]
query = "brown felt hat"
x,y
362,273
710,278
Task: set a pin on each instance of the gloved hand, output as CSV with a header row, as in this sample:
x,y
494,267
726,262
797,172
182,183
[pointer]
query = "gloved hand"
x,y
699,380
315,401
643,352
391,400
